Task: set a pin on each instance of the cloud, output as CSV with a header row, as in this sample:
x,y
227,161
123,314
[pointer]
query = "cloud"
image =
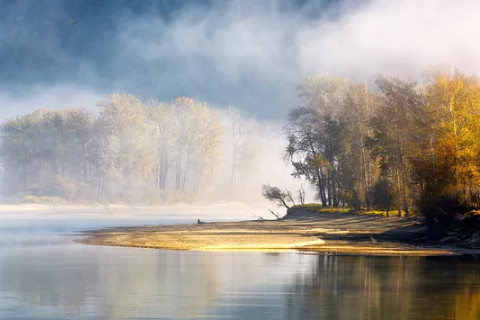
x,y
53,97
395,37
250,54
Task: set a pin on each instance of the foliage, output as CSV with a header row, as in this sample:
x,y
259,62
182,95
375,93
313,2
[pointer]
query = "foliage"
x,y
132,151
407,146
383,196
327,137
276,195
448,170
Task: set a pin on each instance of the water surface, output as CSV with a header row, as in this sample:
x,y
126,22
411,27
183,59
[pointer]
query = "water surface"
x,y
44,275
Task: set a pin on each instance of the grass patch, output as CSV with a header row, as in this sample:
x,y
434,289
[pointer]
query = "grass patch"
x,y
320,209
308,206
375,212
333,210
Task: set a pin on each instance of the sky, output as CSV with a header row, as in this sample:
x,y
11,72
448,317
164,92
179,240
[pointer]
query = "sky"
x,y
246,53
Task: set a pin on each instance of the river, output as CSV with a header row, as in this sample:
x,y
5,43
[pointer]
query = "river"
x,y
44,274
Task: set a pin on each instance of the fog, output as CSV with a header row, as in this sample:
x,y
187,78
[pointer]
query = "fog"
x,y
247,54
121,113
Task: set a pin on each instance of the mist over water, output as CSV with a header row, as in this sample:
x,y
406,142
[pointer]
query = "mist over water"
x,y
133,113
246,54
39,225
137,152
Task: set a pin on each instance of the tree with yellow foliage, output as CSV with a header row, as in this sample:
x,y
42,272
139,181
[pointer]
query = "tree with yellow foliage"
x,y
447,169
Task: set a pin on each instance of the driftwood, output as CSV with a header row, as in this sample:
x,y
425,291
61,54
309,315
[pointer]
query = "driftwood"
x,y
276,215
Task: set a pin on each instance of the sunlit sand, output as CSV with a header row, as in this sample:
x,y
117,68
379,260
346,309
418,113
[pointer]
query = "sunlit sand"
x,y
305,231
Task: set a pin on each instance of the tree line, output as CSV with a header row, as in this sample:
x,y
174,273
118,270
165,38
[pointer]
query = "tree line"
x,y
130,151
408,146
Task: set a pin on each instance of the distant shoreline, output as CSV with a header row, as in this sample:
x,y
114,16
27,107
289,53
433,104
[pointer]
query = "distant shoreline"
x,y
301,230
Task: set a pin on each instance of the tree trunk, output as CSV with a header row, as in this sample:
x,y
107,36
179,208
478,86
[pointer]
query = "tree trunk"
x,y
85,169
329,189
166,169
404,184
321,187
365,175
197,185
320,177
399,192
178,173
334,189
404,193
187,165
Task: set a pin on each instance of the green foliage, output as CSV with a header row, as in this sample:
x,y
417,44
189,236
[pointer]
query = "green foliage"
x,y
327,137
409,147
383,195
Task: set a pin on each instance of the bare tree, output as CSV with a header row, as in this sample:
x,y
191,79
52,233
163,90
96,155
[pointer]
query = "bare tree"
x,y
301,194
238,132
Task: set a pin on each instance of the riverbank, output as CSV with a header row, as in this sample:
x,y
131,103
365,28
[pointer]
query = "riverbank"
x,y
303,229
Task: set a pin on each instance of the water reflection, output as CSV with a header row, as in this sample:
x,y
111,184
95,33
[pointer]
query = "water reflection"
x,y
387,288
119,283
65,280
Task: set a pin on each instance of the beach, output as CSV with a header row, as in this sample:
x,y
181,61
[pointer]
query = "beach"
x,y
302,229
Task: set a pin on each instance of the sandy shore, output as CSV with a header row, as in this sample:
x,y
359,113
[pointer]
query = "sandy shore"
x,y
303,230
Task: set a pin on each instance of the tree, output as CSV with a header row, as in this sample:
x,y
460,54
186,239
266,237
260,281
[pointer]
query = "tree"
x,y
314,135
124,150
358,170
327,140
383,196
393,129
248,138
448,169
301,195
207,142
276,195
238,137
129,152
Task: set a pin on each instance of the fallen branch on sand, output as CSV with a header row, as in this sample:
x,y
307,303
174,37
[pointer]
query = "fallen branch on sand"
x,y
276,215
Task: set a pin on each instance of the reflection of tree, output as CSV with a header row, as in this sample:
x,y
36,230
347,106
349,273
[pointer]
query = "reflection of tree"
x,y
29,275
386,288
119,283
166,284
113,283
